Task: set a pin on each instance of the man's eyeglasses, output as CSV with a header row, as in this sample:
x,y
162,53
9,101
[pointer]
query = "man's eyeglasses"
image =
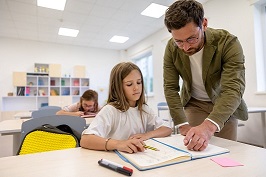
x,y
191,40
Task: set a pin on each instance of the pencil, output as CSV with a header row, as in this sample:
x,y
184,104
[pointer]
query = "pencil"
x,y
151,148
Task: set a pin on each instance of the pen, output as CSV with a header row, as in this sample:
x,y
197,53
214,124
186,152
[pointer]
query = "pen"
x,y
113,167
151,148
119,165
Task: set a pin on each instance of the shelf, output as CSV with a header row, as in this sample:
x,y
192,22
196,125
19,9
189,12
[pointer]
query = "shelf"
x,y
40,88
40,68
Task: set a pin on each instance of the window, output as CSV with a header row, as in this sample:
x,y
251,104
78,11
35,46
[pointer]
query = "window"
x,y
260,43
144,62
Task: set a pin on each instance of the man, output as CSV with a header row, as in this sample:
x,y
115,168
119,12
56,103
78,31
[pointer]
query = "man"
x,y
211,64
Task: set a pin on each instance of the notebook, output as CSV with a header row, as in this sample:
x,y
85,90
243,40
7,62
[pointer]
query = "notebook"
x,y
88,115
171,151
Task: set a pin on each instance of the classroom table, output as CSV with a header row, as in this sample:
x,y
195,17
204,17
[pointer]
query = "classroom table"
x,y
79,162
13,127
23,115
262,111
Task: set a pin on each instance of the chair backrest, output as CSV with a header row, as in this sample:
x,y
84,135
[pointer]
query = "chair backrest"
x,y
76,123
162,106
37,140
50,107
43,113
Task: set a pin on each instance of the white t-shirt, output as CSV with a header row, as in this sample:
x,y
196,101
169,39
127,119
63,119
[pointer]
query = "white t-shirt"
x,y
76,107
198,88
72,108
113,123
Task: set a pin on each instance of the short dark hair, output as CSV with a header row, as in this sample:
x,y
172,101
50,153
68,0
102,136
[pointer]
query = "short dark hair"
x,y
183,12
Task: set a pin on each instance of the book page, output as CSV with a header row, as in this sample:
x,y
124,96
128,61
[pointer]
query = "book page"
x,y
177,142
88,115
151,158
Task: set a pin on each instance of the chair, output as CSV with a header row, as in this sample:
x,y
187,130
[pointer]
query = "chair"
x,y
162,106
77,124
43,113
50,107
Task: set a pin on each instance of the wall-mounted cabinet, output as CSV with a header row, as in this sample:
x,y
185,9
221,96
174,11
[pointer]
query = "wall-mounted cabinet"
x,y
41,68
53,70
79,71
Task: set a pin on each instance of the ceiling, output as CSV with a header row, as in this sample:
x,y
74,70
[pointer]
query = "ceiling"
x,y
96,20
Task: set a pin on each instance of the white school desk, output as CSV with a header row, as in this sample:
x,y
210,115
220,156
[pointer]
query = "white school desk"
x,y
13,127
262,111
23,115
79,162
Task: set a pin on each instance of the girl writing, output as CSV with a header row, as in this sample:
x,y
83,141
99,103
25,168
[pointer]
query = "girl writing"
x,y
126,121
86,107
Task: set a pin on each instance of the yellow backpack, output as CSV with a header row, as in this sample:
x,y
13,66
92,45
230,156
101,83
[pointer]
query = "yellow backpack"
x,y
49,138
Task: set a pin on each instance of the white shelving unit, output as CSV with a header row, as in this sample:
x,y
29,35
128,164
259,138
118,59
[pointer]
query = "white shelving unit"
x,y
46,86
39,90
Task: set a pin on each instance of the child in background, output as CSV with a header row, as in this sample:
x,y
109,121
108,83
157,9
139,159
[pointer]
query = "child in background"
x,y
86,107
126,121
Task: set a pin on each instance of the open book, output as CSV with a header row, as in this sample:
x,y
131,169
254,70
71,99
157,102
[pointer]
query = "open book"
x,y
171,151
88,115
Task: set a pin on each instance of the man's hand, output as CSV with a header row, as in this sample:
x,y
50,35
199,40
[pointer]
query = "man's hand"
x,y
197,138
184,129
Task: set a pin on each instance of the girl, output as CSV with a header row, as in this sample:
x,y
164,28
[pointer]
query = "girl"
x,y
86,107
126,121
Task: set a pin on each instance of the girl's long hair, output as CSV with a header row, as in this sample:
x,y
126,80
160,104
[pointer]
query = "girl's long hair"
x,y
90,95
116,96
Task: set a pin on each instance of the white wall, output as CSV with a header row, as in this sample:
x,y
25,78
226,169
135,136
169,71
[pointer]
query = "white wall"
x,y
237,17
157,43
20,55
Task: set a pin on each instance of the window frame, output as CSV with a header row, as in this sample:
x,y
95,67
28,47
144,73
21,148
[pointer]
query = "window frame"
x,y
148,82
260,44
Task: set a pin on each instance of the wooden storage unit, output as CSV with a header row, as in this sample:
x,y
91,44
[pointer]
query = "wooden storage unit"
x,y
79,71
60,100
54,70
19,78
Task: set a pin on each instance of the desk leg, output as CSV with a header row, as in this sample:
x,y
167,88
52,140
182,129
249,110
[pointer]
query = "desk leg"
x,y
16,142
263,128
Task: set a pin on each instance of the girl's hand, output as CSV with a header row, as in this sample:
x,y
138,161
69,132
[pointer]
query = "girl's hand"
x,y
141,136
131,146
79,113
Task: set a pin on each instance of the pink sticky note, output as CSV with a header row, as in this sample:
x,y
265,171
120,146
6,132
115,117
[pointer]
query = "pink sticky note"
x,y
226,162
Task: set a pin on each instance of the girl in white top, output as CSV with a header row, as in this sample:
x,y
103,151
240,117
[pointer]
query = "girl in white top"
x,y
126,121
